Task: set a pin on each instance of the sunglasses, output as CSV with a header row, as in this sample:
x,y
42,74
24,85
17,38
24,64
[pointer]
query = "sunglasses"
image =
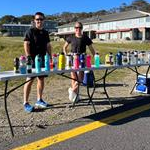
x,y
39,19
78,27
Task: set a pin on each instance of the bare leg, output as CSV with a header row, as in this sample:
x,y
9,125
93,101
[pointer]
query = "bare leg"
x,y
40,87
74,83
27,90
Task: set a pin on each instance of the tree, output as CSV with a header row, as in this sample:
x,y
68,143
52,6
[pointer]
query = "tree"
x,y
8,19
140,5
26,19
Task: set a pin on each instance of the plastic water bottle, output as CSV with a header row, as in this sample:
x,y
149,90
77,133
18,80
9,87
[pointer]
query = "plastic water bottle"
x,y
23,67
29,64
148,55
38,64
136,56
16,65
76,61
55,60
68,61
61,62
97,60
124,58
82,60
119,58
88,61
47,59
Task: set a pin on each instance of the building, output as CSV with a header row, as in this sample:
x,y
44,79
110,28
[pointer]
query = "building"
x,y
20,29
16,29
129,25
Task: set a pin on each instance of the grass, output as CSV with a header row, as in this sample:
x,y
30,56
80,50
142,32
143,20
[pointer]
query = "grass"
x,y
11,47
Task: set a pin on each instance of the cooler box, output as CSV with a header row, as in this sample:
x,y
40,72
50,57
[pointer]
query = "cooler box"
x,y
143,84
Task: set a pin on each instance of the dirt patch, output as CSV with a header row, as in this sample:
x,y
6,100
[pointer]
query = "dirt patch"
x,y
56,93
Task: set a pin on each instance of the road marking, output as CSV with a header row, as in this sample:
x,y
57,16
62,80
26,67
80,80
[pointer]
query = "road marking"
x,y
43,143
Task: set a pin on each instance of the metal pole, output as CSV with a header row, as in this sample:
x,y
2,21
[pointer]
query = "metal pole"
x,y
90,96
104,83
6,110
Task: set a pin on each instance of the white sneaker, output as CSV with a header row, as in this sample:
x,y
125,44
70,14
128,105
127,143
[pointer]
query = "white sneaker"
x,y
72,95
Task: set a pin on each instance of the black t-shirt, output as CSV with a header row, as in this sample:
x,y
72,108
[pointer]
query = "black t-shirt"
x,y
38,41
78,45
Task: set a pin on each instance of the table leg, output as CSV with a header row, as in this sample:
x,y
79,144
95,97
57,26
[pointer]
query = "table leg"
x,y
137,73
91,95
104,84
6,110
77,80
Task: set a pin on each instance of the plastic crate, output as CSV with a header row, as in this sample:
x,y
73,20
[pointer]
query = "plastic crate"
x,y
143,84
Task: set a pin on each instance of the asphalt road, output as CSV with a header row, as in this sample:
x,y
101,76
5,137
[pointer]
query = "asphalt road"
x,y
128,130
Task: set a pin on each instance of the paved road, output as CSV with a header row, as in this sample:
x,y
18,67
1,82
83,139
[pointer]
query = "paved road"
x,y
123,128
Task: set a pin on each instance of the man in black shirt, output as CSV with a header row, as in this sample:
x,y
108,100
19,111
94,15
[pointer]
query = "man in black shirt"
x,y
78,45
36,41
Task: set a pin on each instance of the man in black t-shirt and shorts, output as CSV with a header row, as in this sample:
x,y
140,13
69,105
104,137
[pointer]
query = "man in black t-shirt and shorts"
x,y
36,42
78,45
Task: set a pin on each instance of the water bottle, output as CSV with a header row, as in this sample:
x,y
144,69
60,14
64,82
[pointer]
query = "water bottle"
x,y
47,59
61,65
16,65
111,58
68,61
129,57
133,59
88,61
23,67
97,60
29,64
76,61
38,62
119,58
82,60
148,55
136,56
54,58
124,58
142,57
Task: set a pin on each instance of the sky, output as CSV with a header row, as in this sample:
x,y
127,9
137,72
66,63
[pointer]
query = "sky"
x,y
18,8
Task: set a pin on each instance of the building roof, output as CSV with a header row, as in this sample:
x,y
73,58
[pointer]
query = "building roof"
x,y
18,25
112,17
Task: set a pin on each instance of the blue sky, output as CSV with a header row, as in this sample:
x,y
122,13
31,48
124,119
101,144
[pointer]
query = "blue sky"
x,y
23,7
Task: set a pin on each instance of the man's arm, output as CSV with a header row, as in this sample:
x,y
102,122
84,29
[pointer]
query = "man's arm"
x,y
27,48
49,49
92,49
65,48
